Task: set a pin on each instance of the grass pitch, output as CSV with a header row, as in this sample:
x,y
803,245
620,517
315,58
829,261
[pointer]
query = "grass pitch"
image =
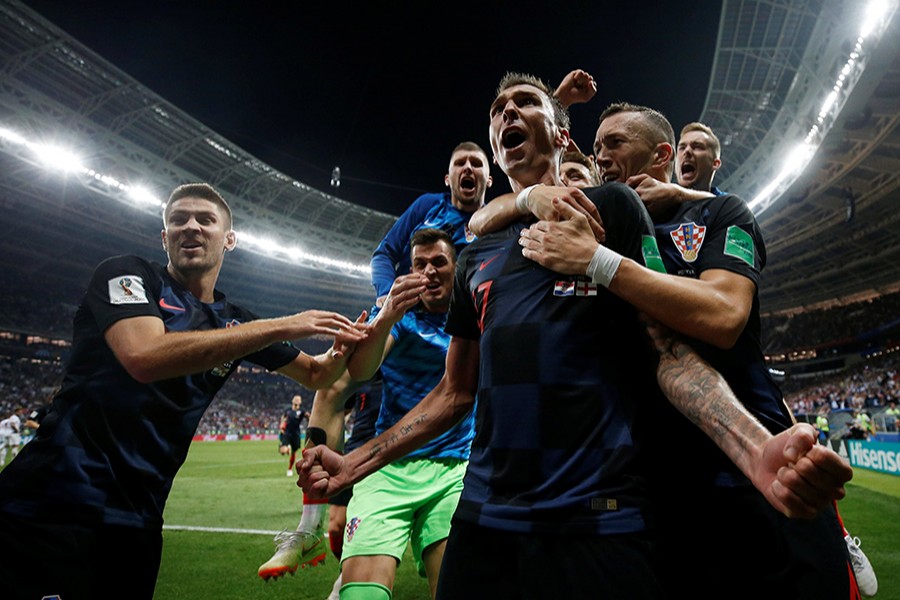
x,y
230,498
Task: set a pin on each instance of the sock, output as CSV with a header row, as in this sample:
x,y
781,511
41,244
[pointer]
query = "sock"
x,y
365,590
314,514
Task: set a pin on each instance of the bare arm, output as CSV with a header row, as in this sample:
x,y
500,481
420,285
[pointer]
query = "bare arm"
x,y
797,476
328,410
150,353
323,473
714,308
502,212
370,353
660,197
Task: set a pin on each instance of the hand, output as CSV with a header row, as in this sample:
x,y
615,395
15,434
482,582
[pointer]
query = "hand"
x,y
576,87
564,246
322,322
800,477
321,472
345,342
540,202
658,197
403,296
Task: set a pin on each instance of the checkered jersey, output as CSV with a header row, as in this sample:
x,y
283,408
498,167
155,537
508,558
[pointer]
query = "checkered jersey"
x,y
111,446
565,380
730,240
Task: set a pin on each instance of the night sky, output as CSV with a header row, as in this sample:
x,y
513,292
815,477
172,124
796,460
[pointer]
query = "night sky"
x,y
385,90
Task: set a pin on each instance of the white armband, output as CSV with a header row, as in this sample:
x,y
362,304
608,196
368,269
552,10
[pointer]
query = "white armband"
x,y
603,265
522,200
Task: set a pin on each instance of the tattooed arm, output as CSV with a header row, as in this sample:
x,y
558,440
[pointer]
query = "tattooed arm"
x,y
796,475
324,473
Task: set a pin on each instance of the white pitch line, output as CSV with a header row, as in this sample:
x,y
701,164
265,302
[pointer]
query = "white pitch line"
x,y
221,529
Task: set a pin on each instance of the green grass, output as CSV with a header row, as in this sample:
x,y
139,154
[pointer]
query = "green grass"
x,y
242,485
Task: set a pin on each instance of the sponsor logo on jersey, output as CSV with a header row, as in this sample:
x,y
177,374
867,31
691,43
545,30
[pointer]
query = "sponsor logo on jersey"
x,y
739,244
170,307
688,238
485,263
127,289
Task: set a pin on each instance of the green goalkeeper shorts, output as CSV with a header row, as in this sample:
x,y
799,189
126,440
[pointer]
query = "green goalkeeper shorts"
x,y
406,501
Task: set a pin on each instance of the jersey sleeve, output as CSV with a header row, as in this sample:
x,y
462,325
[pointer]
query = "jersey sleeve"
x,y
462,320
629,229
272,357
734,241
123,287
389,252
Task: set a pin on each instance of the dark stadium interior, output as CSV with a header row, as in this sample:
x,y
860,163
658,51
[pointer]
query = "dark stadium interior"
x,y
830,292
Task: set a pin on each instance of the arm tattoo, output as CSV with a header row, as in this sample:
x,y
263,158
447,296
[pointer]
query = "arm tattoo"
x,y
701,393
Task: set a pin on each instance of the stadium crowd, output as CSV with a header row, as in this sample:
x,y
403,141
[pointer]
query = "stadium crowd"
x,y
251,403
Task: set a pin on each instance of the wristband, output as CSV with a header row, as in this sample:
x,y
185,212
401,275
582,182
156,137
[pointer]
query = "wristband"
x,y
603,265
522,200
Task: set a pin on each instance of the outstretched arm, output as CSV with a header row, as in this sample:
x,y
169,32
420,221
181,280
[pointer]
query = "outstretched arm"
x,y
150,353
324,473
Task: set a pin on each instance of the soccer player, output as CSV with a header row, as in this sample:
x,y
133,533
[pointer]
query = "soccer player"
x,y
565,389
467,179
10,436
290,437
152,345
714,244
410,500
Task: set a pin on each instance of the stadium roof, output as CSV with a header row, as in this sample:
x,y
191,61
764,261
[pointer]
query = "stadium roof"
x,y
774,64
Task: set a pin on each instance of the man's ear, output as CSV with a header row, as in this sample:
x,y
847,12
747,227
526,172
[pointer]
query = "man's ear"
x,y
490,181
716,164
664,154
447,180
230,240
562,139
162,235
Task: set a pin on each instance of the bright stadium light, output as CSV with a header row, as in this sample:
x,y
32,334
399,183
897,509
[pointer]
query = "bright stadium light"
x,y
877,15
63,160
11,136
57,158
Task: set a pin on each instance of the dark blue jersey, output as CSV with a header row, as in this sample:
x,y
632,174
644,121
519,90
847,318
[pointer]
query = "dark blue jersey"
x,y
566,381
391,257
722,233
110,447
293,419
368,404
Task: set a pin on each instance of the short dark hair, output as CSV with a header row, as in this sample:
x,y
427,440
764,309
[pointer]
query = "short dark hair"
x,y
470,147
578,157
560,114
197,190
656,128
429,236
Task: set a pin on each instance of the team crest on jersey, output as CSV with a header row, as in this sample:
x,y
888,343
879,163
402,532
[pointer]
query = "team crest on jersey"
x,y
470,237
352,526
581,286
688,238
127,289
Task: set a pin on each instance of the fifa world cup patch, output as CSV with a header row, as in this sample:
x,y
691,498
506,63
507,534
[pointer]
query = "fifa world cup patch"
x,y
652,258
127,289
688,238
739,244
